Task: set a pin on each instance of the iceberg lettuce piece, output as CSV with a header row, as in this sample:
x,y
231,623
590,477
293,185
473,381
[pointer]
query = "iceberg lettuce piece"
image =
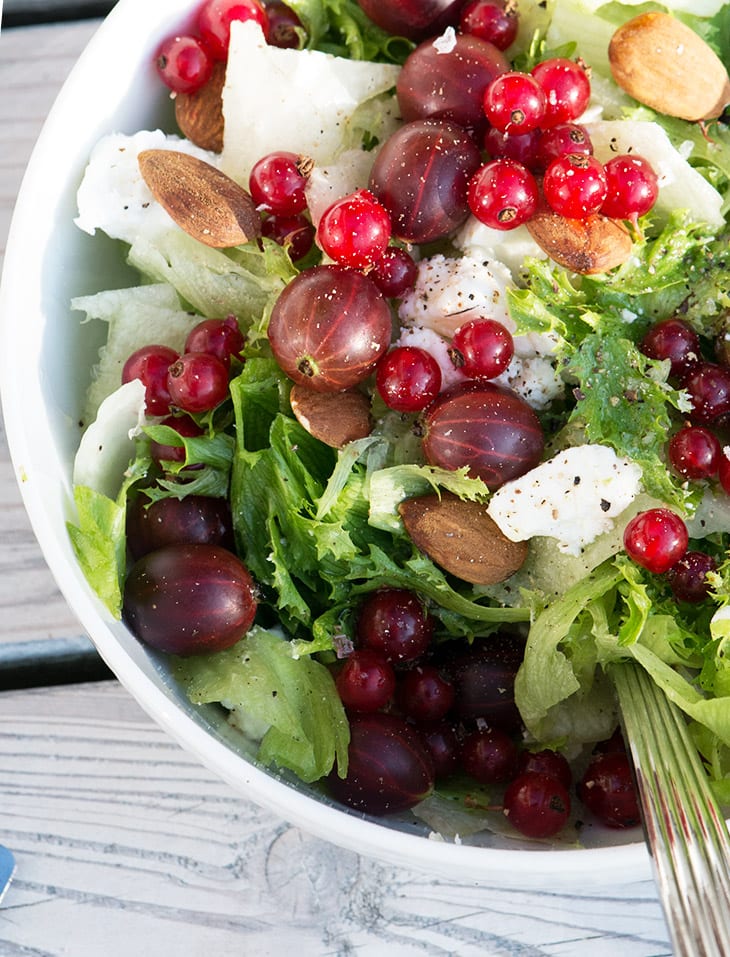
x,y
108,445
136,317
296,121
242,282
681,186
294,698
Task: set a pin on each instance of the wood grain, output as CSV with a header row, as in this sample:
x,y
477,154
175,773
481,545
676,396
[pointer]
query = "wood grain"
x,y
33,65
126,845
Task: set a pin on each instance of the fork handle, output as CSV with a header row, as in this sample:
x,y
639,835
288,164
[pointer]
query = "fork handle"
x,y
684,828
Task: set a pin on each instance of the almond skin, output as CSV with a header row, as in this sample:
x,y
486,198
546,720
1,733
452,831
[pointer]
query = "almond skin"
x,y
334,418
200,115
665,65
207,204
586,246
462,538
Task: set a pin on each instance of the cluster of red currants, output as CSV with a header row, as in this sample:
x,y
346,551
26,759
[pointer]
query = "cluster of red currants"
x,y
419,715
193,381
533,135
185,61
658,539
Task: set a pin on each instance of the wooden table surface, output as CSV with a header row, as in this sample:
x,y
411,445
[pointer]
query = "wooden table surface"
x,y
125,845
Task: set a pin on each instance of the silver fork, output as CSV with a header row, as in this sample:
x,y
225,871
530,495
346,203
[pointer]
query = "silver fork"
x,y
685,830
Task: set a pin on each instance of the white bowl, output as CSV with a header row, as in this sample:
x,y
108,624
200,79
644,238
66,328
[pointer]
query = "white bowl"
x,y
45,357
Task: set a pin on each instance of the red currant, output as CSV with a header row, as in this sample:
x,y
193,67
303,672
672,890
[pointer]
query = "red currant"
x,y
514,103
493,20
632,187
575,185
184,426
277,183
607,789
503,194
694,452
215,18
150,365
394,622
424,694
366,682
394,273
672,339
708,386
218,337
537,804
285,27
723,470
482,348
656,539
442,741
561,140
567,89
521,147
489,755
408,378
355,231
546,762
688,578
197,382
294,233
184,64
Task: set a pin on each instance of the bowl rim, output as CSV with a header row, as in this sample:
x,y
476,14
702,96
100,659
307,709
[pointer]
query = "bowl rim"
x,y
21,381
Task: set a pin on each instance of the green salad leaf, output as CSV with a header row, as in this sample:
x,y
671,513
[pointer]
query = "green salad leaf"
x,y
623,401
302,517
342,28
293,698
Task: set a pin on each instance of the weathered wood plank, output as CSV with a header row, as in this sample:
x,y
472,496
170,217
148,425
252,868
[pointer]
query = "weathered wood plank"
x,y
34,62
126,845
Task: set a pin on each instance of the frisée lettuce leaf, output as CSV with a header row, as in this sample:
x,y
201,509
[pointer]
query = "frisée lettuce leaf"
x,y
302,515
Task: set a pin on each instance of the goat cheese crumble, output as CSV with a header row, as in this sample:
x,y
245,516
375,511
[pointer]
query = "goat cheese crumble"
x,y
573,497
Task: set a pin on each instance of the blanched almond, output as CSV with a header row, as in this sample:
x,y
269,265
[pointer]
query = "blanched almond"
x,y
664,64
585,246
334,418
207,204
461,537
200,115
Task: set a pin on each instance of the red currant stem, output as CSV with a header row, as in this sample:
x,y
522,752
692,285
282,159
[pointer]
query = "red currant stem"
x,y
475,804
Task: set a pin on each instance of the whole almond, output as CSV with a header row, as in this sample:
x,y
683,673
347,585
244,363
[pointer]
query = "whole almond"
x,y
200,115
334,418
665,65
586,246
207,204
462,538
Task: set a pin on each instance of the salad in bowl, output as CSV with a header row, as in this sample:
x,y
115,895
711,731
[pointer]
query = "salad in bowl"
x,y
409,418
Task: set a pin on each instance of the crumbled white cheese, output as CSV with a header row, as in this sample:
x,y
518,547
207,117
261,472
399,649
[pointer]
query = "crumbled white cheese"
x,y
448,292
113,196
446,42
509,246
535,378
573,497
438,347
